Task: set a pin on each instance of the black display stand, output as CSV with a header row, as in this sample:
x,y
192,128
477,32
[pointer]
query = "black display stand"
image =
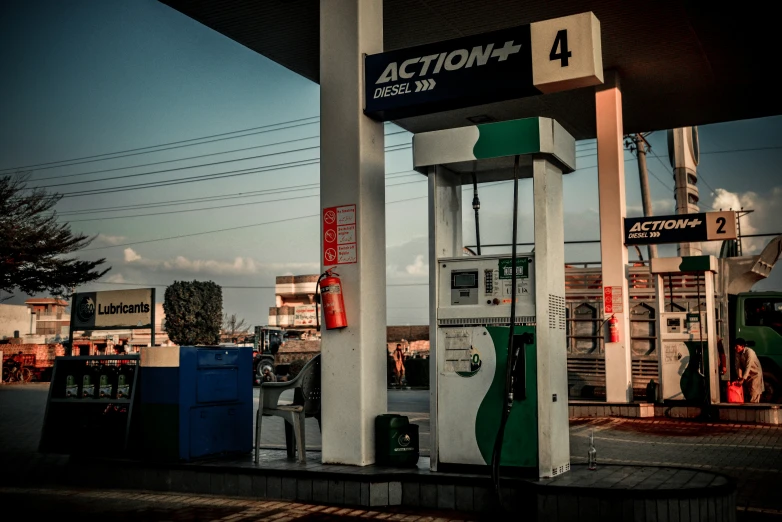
x,y
93,423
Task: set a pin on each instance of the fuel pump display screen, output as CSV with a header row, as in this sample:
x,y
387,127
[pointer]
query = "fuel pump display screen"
x,y
464,287
464,280
674,325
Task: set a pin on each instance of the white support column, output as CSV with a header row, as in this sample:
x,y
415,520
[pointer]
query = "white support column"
x,y
613,252
551,341
352,169
711,345
445,221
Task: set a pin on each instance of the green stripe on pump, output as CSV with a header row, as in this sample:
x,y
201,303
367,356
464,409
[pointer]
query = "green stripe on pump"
x,y
520,444
508,138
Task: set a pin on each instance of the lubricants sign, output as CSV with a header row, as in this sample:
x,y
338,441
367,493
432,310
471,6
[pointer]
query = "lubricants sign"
x,y
113,309
528,60
339,235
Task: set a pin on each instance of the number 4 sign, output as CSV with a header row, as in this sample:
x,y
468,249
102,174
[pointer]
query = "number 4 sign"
x,y
566,53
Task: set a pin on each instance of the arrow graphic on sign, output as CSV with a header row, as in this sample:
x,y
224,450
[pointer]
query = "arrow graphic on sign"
x,y
424,85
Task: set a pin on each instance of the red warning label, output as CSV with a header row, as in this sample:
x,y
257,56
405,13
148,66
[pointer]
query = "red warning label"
x,y
339,235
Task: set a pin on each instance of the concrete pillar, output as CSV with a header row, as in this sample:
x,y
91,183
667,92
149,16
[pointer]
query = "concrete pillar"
x,y
445,222
352,171
684,155
712,357
613,253
553,433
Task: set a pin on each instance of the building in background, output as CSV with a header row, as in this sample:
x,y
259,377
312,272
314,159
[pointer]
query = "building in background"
x,y
52,319
294,309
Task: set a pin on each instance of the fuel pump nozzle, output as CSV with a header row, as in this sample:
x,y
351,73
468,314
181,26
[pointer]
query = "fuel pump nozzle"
x,y
519,369
476,206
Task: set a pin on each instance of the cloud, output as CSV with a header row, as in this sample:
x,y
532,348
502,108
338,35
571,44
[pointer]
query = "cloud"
x,y
406,260
419,267
238,266
131,255
115,278
764,218
103,239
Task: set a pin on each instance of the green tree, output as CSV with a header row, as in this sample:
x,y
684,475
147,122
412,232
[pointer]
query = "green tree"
x,y
194,312
33,244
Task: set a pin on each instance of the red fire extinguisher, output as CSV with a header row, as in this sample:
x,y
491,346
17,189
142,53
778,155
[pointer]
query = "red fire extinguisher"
x,y
613,329
330,296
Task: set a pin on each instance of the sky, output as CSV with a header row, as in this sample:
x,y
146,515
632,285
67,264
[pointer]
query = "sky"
x,y
189,156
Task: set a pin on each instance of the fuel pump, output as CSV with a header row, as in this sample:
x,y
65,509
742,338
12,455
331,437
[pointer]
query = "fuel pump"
x,y
499,378
687,347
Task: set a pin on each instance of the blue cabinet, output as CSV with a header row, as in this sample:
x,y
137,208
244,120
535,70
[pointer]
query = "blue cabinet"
x,y
196,401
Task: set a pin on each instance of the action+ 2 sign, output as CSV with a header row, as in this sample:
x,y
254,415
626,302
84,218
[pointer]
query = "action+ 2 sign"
x,y
680,228
543,57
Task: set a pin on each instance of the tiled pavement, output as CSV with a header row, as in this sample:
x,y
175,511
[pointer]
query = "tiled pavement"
x,y
100,506
750,453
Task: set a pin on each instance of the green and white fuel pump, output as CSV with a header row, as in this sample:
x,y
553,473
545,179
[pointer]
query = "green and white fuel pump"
x,y
474,300
688,364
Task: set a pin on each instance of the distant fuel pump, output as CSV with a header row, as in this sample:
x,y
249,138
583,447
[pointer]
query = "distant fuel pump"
x,y
688,362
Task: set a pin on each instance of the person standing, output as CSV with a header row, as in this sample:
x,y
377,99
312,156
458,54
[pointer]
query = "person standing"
x,y
749,371
399,364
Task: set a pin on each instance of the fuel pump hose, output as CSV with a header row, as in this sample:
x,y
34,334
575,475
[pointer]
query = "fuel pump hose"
x,y
507,393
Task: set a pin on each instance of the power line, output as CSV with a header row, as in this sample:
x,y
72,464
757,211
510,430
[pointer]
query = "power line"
x,y
658,179
202,199
249,226
649,150
176,169
283,142
64,163
88,159
203,177
751,149
700,169
221,207
193,179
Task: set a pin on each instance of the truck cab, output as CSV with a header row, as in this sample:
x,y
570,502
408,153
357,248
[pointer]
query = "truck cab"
x,y
757,317
267,342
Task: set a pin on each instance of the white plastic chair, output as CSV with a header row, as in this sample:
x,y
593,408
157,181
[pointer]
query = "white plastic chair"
x,y
306,403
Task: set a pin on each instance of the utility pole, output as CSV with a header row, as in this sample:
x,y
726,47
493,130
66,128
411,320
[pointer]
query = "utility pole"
x,y
646,198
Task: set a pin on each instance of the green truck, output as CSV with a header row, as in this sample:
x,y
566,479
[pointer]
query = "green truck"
x,y
757,318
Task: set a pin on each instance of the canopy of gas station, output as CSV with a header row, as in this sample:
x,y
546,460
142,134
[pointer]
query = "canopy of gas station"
x,y
667,65
680,62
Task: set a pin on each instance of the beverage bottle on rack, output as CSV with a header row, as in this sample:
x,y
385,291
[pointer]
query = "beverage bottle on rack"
x,y
87,386
124,380
106,382
71,387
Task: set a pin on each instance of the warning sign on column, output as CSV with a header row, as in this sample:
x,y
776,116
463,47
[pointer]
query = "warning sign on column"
x,y
339,235
612,299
